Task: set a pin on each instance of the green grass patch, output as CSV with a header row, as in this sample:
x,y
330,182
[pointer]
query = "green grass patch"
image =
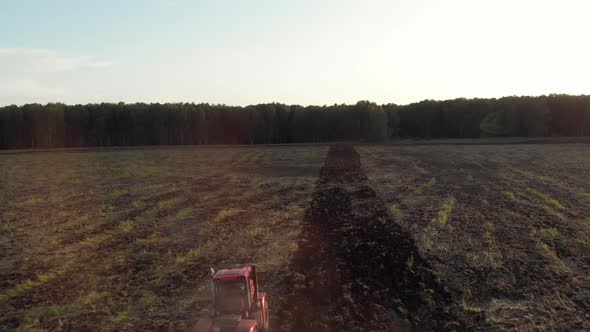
x,y
29,284
394,211
583,242
549,234
467,295
117,193
418,191
476,163
468,308
193,254
488,257
533,175
509,194
426,238
92,297
259,233
96,240
444,214
189,256
252,194
32,201
167,204
6,228
548,199
127,226
242,252
548,209
431,183
150,214
514,214
488,237
410,263
545,248
123,315
147,299
35,315
557,265
183,213
226,214
274,199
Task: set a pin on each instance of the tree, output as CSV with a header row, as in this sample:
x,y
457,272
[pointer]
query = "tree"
x,y
108,124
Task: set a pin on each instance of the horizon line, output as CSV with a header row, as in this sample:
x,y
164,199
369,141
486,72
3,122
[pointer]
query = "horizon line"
x,y
289,104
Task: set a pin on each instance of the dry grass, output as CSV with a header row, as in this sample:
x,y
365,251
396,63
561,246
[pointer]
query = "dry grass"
x,y
510,223
226,214
123,240
444,214
548,199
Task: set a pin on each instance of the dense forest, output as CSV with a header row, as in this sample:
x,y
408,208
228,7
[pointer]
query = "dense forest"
x,y
108,124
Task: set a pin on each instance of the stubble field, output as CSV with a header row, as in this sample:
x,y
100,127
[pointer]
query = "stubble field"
x,y
124,239
506,228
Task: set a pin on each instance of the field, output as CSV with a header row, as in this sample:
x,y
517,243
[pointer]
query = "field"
x,y
506,228
412,236
125,239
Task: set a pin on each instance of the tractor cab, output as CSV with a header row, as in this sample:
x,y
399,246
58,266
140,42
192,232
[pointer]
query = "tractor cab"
x,y
238,305
234,290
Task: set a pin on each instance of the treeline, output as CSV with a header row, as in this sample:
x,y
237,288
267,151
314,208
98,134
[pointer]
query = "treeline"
x,y
553,115
107,124
59,125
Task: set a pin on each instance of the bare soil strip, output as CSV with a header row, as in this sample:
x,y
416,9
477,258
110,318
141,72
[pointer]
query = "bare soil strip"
x,y
356,269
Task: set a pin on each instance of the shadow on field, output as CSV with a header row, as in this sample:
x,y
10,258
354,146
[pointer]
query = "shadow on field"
x,y
356,269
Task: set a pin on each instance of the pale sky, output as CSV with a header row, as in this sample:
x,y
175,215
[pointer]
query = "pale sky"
x,y
295,52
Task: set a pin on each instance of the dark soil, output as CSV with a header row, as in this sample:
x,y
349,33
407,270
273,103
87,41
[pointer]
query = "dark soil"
x,y
420,237
356,268
512,248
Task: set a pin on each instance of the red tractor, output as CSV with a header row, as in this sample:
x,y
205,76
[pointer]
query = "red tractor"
x,y
238,305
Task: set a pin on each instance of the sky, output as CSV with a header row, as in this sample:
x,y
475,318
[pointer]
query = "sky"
x,y
303,52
